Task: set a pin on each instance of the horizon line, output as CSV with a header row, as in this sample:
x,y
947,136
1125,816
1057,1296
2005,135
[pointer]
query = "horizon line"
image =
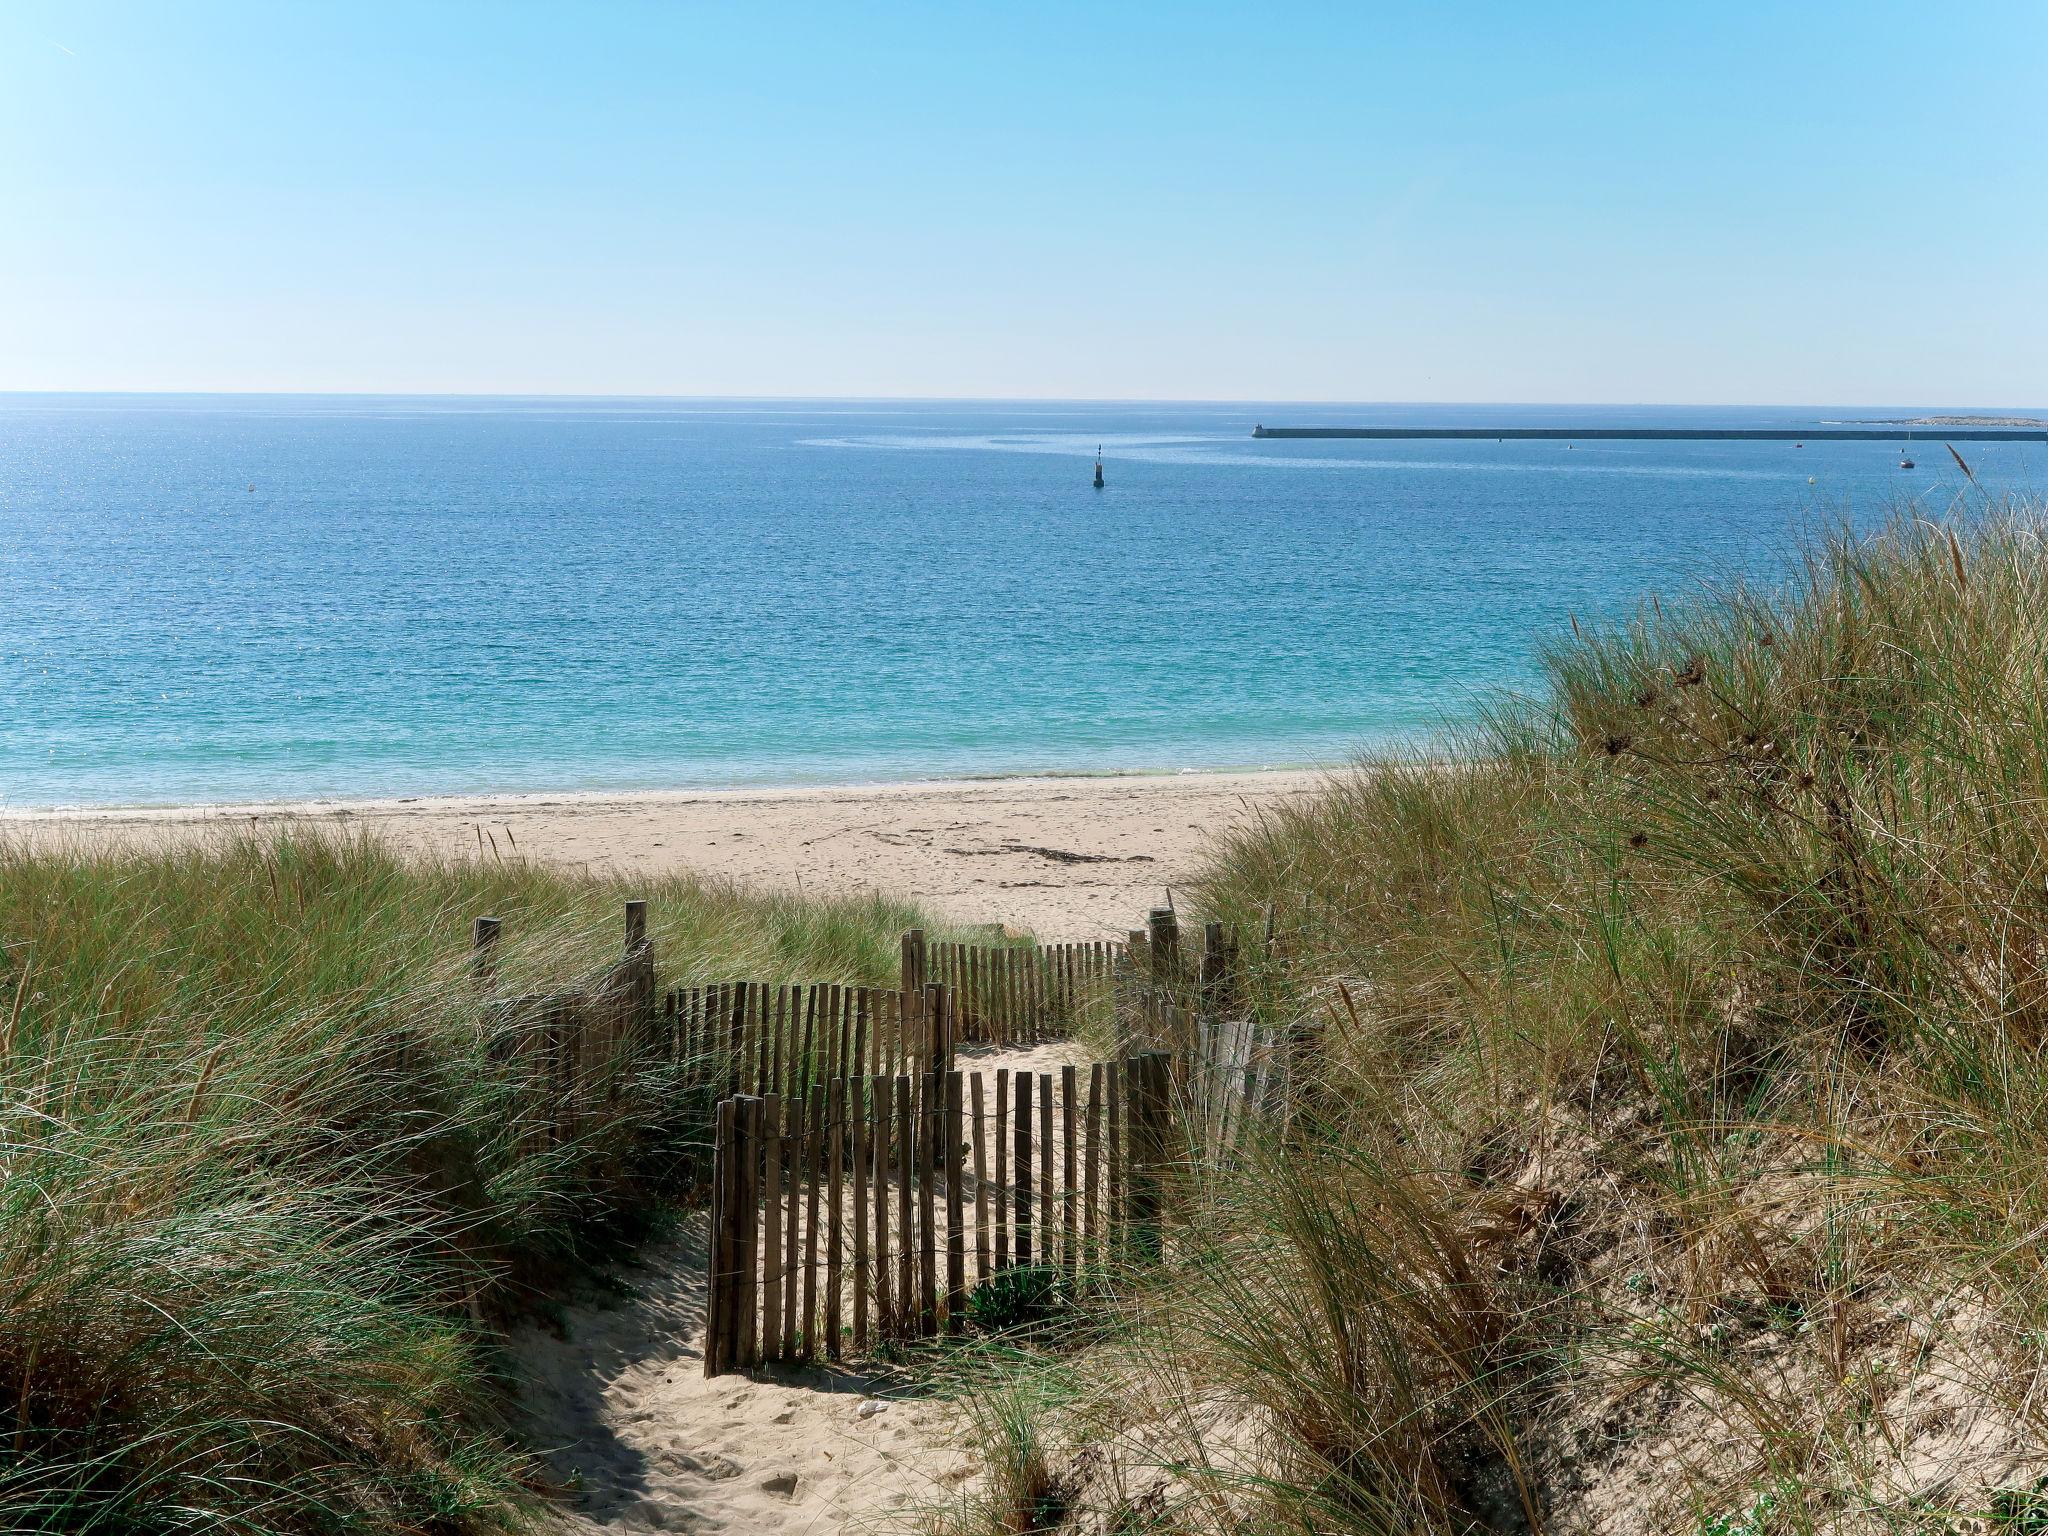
x,y
1185,400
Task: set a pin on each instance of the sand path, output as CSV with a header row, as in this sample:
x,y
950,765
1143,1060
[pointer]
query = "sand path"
x,y
639,1440
628,1426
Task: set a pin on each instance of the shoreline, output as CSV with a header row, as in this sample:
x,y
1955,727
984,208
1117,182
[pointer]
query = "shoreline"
x,y
1066,856
459,800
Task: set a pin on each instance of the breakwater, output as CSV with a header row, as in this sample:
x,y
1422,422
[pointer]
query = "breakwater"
x,y
1680,434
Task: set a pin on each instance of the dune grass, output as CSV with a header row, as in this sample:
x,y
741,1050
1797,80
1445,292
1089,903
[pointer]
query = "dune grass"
x,y
1681,1069
259,1193
1672,1106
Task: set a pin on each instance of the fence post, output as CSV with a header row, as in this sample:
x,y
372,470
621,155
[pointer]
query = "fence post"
x,y
636,925
1147,1150
1164,929
912,980
483,960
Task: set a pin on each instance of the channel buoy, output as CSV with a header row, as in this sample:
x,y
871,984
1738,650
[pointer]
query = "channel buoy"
x,y
1098,466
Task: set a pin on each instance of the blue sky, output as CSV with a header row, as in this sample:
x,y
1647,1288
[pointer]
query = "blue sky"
x,y
1556,202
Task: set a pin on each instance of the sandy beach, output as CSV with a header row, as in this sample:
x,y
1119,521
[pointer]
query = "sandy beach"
x,y
1066,857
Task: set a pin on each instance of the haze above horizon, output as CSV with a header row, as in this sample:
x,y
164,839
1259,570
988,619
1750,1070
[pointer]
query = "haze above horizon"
x,y
1158,203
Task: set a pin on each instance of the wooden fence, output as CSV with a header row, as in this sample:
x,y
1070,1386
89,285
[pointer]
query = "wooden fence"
x,y
872,1208
756,1038
863,1186
575,1047
1231,1067
1014,994
759,1039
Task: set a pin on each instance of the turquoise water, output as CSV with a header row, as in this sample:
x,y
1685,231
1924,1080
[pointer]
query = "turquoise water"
x,y
467,595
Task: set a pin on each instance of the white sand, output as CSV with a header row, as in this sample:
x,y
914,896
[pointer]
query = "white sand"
x,y
979,851
638,1439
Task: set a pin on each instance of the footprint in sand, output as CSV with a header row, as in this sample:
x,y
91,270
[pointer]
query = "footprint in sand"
x,y
714,1469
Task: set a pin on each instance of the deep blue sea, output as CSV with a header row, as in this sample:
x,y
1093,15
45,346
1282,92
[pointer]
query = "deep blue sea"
x,y
243,598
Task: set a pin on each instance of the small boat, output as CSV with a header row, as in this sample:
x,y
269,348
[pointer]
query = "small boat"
x,y
1098,466
1905,463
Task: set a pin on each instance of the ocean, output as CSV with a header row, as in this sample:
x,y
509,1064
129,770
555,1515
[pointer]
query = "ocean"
x,y
227,599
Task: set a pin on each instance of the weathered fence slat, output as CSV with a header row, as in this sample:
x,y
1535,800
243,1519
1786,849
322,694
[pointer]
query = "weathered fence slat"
x,y
748,1347
857,1110
907,1138
771,1223
1002,1190
929,1132
1076,1182
835,1232
814,1146
723,1219
981,1254
1068,1150
885,1321
1091,1248
1020,1222
956,1190
793,1185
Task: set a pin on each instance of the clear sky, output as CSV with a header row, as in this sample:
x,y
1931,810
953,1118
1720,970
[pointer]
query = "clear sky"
x,y
1730,202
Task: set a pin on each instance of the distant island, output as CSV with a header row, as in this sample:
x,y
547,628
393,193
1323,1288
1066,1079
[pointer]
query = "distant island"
x,y
1952,427
1948,421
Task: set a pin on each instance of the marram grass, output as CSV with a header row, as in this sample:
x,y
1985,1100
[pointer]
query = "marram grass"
x,y
1672,1102
258,1195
